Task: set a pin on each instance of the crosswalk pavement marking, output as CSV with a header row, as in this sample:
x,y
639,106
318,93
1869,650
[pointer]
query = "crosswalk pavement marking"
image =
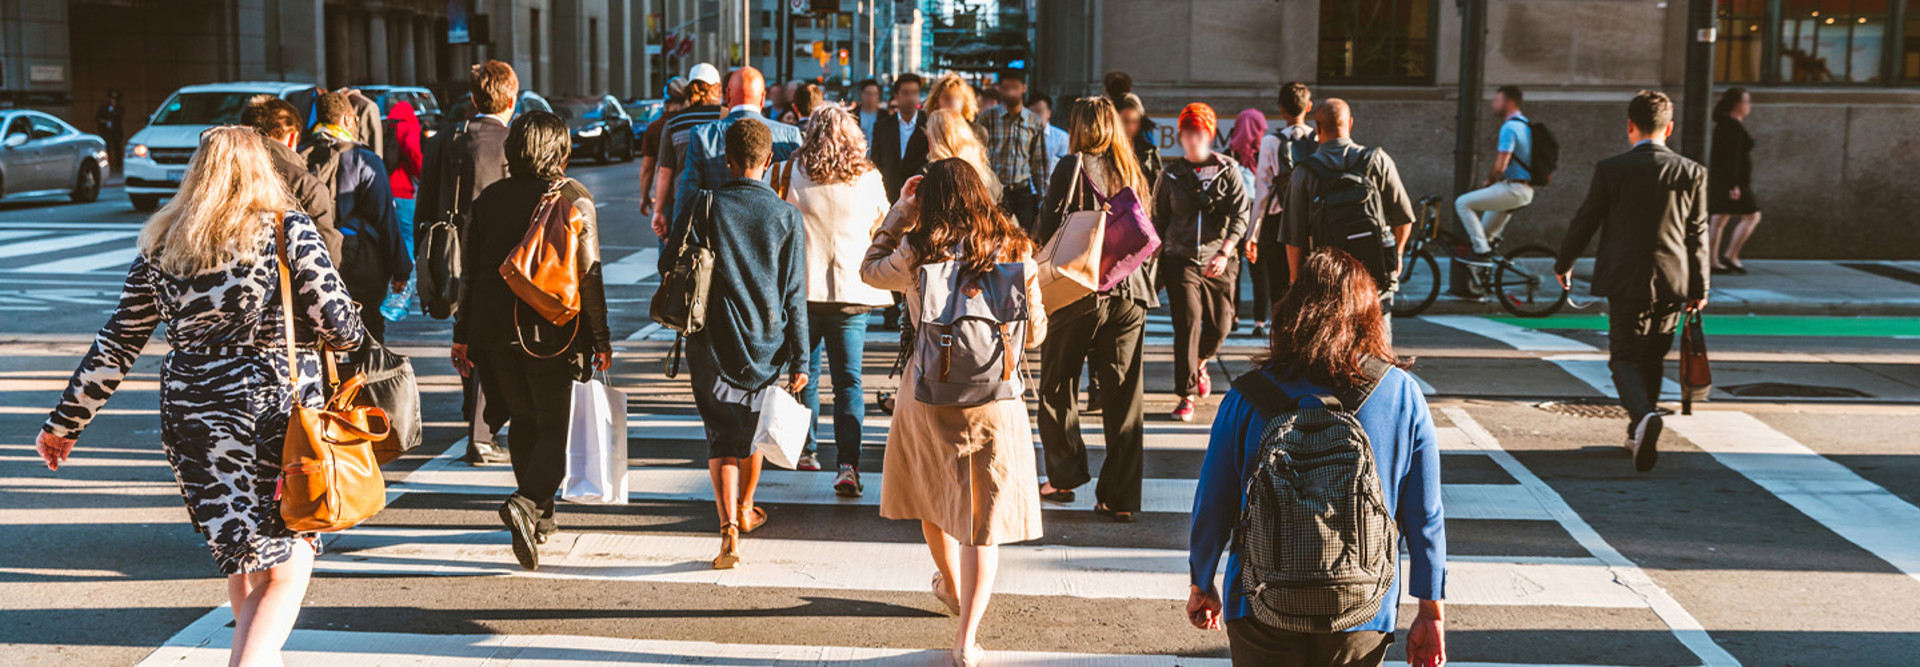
x,y
59,243
117,258
633,268
1592,370
1679,621
14,234
1519,338
1825,491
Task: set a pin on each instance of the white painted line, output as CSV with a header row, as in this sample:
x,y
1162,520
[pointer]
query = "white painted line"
x,y
201,642
1592,369
1825,491
1580,583
1520,338
117,258
58,243
16,234
635,267
1683,625
330,648
1463,501
645,331
52,226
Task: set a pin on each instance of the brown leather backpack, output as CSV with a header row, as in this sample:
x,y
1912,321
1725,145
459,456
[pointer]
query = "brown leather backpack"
x,y
329,475
544,270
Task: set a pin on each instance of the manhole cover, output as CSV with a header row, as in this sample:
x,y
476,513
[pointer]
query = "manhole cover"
x,y
1595,409
1791,390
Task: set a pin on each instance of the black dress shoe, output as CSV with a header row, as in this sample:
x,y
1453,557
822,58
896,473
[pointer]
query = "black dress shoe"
x,y
518,514
486,454
1063,497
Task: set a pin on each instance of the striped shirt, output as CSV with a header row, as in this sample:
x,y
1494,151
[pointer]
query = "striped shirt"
x,y
1016,146
679,125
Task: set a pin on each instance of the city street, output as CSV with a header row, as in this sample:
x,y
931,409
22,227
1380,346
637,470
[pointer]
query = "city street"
x,y
1782,526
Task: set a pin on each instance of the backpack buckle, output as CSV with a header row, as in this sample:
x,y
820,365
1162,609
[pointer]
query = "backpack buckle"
x,y
946,340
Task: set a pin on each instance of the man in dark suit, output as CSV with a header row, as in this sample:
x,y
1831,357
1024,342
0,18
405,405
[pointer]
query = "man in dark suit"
x,y
1649,206
899,146
459,165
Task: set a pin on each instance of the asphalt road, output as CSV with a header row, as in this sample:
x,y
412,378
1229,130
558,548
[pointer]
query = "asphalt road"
x,y
1779,529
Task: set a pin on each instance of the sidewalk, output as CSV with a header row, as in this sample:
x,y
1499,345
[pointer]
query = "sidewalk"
x,y
1778,287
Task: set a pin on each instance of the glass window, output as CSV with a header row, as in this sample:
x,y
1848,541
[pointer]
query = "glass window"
x,y
1909,51
44,127
1376,41
1737,53
1832,40
202,109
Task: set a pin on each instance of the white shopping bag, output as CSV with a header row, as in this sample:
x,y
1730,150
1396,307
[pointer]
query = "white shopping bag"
x,y
596,446
782,431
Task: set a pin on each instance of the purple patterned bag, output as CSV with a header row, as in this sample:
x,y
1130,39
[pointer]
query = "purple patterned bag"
x,y
1130,237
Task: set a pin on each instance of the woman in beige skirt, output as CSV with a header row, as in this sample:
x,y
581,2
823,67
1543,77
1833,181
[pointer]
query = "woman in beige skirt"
x,y
965,473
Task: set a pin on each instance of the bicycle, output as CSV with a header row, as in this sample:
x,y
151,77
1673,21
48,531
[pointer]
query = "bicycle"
x,y
1522,280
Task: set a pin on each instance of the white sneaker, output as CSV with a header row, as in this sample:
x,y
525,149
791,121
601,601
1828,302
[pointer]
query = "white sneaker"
x,y
1645,443
808,462
848,485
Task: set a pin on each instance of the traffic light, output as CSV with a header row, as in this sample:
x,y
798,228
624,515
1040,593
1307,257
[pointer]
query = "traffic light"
x,y
843,57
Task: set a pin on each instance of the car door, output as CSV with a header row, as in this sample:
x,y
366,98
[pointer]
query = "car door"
x,y
57,145
24,164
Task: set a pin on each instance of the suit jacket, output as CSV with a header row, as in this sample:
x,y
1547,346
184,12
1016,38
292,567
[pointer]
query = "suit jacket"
x,y
1649,206
895,169
705,167
475,159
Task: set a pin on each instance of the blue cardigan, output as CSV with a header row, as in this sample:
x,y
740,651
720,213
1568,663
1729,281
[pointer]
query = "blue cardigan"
x,y
1396,421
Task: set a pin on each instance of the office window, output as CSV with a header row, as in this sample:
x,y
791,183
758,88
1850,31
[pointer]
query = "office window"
x,y
1909,51
1376,41
1742,43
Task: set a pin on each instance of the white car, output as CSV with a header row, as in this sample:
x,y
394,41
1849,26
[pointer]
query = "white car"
x,y
40,154
157,155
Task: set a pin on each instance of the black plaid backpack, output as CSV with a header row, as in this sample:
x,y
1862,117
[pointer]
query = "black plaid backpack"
x,y
1317,543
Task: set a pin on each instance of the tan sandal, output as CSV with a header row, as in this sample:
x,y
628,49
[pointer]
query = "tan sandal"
x,y
951,600
754,519
729,557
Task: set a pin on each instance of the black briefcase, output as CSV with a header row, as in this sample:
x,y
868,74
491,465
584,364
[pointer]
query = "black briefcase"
x,y
390,386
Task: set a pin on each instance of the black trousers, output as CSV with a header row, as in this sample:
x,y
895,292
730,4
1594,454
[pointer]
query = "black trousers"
x,y
1639,336
1021,201
538,393
364,269
1260,309
1256,645
1203,312
1106,334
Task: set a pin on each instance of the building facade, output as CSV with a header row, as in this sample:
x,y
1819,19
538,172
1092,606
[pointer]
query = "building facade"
x,y
1835,84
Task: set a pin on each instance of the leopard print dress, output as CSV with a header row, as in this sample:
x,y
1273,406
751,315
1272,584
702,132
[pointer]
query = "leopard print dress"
x,y
224,393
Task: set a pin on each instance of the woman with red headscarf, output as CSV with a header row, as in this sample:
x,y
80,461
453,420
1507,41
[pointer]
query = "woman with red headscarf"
x,y
1200,209
1244,144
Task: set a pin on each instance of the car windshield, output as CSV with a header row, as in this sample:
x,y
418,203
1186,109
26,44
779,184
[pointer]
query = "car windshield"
x,y
578,113
203,108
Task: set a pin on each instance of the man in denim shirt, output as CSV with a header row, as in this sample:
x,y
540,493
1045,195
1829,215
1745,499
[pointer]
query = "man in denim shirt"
x,y
705,166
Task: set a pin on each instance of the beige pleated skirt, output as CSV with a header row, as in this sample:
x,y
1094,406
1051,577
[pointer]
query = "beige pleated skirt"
x,y
970,471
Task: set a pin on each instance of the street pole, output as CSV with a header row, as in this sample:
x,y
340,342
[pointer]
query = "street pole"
x,y
1699,90
1473,51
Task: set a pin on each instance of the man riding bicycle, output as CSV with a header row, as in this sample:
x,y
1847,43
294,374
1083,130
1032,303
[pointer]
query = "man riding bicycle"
x,y
1485,212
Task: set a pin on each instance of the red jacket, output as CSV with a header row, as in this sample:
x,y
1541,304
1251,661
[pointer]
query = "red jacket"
x,y
406,151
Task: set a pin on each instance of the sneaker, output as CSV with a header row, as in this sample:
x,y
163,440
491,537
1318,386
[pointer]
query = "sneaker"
x,y
1645,443
517,513
1205,385
1259,330
808,461
848,485
486,454
1477,258
1184,412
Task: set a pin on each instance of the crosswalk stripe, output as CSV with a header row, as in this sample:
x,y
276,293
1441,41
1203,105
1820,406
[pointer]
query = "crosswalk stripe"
x,y
1042,570
1825,491
1520,338
1462,501
1592,370
117,258
16,234
324,648
56,225
633,268
58,243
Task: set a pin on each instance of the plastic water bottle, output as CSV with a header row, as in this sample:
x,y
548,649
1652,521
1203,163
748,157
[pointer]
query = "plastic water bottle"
x,y
396,307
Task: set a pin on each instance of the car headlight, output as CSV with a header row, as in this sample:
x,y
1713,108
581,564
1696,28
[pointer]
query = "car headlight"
x,y
136,150
591,131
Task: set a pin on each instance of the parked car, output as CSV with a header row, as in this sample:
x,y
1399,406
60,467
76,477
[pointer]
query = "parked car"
x,y
158,154
422,100
600,125
40,154
643,113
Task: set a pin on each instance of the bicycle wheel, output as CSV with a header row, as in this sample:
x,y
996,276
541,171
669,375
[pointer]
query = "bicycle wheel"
x,y
1524,283
1419,284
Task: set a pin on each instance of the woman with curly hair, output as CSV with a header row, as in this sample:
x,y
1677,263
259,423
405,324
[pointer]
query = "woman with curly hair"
x,y
966,473
842,199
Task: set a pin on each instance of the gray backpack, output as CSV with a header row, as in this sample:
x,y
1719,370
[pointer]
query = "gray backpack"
x,y
1317,542
971,335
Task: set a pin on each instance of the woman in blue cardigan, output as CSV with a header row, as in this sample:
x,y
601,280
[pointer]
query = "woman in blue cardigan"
x,y
1325,331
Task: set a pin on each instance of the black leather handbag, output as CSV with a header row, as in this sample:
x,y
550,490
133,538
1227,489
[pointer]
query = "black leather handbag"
x,y
389,385
681,302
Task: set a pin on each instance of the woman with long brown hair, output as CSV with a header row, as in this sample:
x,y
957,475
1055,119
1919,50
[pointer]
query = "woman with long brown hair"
x,y
966,473
1329,340
1103,330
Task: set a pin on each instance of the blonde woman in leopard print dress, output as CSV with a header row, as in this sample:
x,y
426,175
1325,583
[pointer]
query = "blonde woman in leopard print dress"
x,y
208,269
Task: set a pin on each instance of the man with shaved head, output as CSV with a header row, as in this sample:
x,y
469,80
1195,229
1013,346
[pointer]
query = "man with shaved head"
x,y
1342,187
705,166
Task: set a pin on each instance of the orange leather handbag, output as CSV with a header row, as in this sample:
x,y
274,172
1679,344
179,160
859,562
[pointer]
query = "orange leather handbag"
x,y
329,476
544,270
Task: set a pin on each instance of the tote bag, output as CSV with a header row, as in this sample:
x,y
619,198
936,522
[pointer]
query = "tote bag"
x,y
782,430
391,386
1070,261
1130,239
596,446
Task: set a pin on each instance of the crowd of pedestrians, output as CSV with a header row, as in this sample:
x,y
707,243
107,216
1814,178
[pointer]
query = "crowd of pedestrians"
x,y
939,217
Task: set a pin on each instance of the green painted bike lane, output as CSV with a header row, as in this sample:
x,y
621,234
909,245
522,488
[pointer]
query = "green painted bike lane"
x,y
1752,325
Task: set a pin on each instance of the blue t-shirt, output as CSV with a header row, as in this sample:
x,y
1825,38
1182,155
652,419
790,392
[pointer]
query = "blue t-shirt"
x,y
1406,450
1516,137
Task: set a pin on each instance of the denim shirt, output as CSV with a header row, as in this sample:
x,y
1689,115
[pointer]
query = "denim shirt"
x,y
705,166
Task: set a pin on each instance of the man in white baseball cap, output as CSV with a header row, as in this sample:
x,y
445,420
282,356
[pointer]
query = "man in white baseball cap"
x,y
703,106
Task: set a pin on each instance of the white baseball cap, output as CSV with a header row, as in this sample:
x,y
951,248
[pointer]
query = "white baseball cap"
x,y
704,72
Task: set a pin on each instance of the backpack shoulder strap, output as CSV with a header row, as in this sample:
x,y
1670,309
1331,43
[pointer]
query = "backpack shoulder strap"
x,y
1375,369
1266,395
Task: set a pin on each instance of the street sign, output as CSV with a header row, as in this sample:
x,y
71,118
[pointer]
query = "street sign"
x,y
798,6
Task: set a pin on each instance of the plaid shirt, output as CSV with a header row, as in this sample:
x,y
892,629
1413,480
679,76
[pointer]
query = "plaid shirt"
x,y
1016,146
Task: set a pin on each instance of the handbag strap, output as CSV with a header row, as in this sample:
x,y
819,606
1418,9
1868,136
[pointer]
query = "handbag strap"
x,y
286,309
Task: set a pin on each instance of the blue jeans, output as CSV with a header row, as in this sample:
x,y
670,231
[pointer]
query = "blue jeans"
x,y
843,337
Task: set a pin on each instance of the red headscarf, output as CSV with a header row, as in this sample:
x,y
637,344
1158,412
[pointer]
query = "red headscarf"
x,y
1199,116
